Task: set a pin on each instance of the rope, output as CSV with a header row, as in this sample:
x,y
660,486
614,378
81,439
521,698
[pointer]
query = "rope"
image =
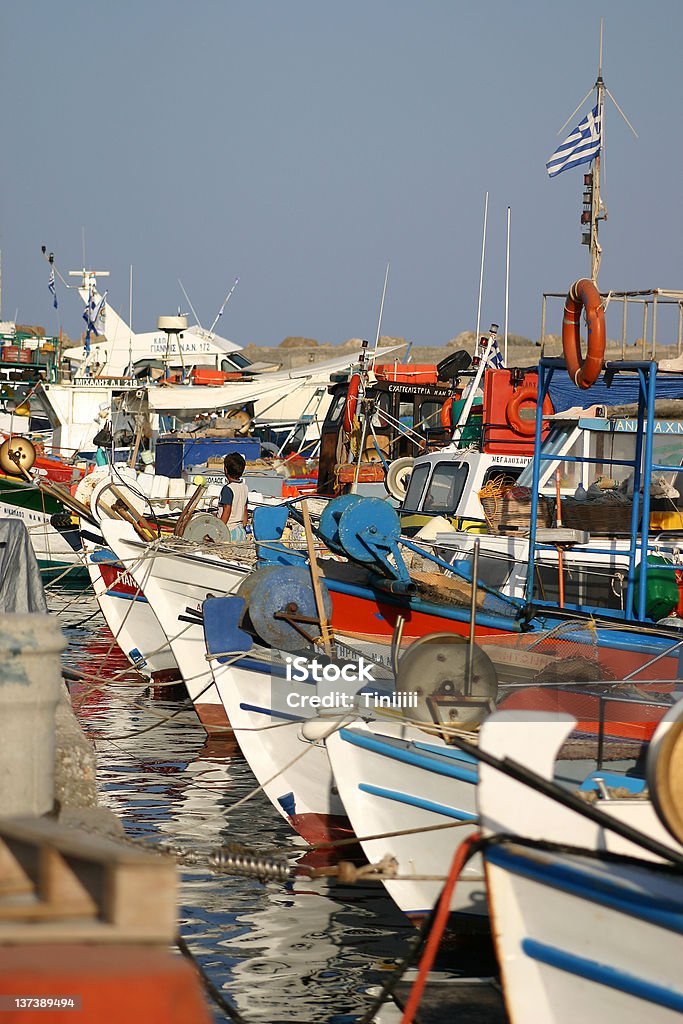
x,y
258,789
215,993
461,857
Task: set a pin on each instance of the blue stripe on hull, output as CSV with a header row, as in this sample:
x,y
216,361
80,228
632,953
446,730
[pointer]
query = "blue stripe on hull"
x,y
603,974
431,762
665,913
417,801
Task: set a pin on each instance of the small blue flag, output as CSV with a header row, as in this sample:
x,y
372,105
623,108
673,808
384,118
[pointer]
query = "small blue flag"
x,y
93,312
578,148
495,359
52,286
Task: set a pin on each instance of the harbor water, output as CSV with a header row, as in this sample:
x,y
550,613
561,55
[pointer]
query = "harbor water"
x,y
305,950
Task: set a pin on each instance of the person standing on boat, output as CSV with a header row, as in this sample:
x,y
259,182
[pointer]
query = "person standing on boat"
x,y
232,503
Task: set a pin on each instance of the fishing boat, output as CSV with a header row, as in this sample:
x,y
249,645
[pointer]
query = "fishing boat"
x,y
587,901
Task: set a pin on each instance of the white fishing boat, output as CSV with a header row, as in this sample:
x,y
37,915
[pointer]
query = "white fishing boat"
x,y
587,921
175,578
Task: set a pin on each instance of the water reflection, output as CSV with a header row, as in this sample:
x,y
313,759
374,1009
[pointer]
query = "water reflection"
x,y
304,951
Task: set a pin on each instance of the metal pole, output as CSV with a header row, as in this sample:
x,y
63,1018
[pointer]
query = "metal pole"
x,y
644,338
654,324
680,329
507,290
623,327
473,617
543,305
481,268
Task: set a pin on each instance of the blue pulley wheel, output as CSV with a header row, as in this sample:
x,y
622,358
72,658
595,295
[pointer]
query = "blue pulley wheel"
x,y
246,587
369,530
282,608
328,527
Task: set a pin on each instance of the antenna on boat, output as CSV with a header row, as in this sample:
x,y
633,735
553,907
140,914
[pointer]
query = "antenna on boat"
x,y
364,367
187,299
507,290
381,313
226,300
130,322
594,210
481,267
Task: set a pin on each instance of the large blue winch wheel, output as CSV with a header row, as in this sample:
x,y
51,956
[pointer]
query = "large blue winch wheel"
x,y
280,597
368,529
330,519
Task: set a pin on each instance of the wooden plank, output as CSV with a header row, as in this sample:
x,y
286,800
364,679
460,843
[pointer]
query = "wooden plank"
x,y
121,892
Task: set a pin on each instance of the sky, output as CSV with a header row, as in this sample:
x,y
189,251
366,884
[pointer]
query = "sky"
x,y
303,145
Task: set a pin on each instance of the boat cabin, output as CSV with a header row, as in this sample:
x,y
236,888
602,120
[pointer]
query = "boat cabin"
x,y
402,406
450,482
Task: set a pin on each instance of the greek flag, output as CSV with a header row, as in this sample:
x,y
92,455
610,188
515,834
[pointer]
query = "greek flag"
x,y
52,287
495,360
93,312
578,148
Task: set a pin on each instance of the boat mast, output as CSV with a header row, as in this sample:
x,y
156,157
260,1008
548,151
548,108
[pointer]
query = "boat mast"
x,y
594,209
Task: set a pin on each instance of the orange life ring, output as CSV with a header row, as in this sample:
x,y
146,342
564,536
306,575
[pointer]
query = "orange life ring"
x,y
583,294
351,402
447,414
523,395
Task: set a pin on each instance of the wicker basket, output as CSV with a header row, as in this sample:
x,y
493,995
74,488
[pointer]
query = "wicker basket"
x,y
508,510
597,517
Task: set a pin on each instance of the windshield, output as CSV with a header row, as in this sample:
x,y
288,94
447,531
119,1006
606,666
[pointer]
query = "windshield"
x,y
237,360
445,488
411,502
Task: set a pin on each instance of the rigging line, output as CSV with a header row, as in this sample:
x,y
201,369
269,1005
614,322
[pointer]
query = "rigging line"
x,y
261,788
353,840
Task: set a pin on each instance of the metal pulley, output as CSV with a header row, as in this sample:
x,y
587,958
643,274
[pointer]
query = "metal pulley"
x,y
17,455
282,608
453,680
205,528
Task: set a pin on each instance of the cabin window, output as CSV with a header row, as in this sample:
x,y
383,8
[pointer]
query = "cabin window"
x,y
508,474
336,409
411,502
446,487
234,361
405,413
430,416
381,417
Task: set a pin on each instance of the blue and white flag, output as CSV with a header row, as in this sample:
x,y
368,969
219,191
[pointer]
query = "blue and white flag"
x,y
578,148
52,287
93,312
495,360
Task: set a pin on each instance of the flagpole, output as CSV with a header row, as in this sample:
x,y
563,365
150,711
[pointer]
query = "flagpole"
x,y
597,211
507,289
481,270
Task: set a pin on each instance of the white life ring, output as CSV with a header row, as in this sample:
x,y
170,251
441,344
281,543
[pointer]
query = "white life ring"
x,y
398,476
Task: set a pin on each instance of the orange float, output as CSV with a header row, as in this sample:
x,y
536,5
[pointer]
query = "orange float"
x,y
524,396
447,414
583,294
351,402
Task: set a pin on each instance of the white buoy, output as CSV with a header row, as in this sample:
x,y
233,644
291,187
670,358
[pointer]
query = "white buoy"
x,y
30,681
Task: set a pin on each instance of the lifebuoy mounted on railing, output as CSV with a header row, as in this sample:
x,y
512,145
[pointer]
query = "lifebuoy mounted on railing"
x,y
351,402
523,396
583,294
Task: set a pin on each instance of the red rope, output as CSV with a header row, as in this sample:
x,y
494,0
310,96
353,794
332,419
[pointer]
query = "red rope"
x,y
438,928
